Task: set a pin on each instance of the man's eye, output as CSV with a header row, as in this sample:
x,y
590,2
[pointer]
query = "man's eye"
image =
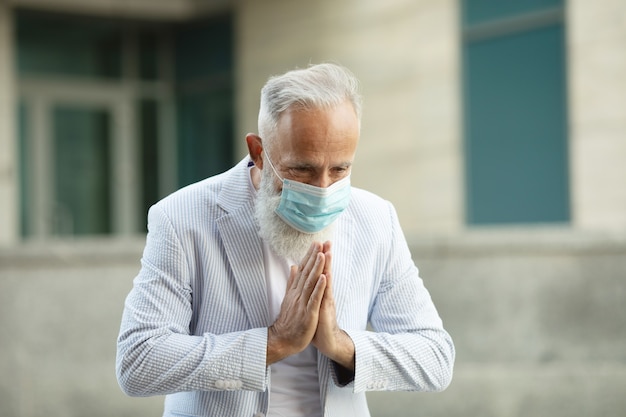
x,y
301,171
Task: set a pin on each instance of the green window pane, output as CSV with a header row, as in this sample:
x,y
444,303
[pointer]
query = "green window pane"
x,y
515,128
82,197
205,98
481,11
148,56
149,153
205,127
204,49
56,45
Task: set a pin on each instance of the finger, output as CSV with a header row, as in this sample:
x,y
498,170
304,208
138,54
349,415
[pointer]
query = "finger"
x,y
328,261
315,300
312,277
305,264
328,264
293,272
327,246
313,249
314,265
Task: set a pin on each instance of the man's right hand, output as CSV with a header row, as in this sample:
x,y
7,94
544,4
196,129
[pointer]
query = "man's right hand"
x,y
297,321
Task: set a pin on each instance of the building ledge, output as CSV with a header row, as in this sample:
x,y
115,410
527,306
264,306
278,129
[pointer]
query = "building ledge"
x,y
523,241
76,251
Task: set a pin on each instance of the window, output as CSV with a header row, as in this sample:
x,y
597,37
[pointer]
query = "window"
x,y
98,110
205,99
515,112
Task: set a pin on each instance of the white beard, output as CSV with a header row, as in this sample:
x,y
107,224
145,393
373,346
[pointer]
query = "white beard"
x,y
283,239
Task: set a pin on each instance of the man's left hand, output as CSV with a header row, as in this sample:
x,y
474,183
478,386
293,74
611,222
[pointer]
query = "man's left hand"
x,y
329,339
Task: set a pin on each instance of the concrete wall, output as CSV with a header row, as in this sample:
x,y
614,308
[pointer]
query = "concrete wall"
x,y
538,321
597,88
537,318
60,311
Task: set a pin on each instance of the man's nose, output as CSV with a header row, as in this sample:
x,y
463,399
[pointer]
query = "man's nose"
x,y
322,180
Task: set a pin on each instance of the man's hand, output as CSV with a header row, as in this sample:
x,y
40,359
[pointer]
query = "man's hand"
x,y
298,319
329,339
308,314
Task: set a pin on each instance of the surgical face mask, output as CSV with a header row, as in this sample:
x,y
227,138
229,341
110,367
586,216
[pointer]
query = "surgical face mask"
x,y
308,208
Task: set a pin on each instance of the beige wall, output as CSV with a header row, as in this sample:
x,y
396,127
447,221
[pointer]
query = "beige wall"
x,y
406,55
597,88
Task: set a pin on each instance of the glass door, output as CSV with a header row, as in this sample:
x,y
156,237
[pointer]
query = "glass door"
x,y
81,172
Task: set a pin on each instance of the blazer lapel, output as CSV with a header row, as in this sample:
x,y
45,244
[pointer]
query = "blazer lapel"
x,y
243,246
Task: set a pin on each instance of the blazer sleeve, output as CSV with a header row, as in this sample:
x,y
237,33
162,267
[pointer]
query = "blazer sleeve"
x,y
409,350
156,354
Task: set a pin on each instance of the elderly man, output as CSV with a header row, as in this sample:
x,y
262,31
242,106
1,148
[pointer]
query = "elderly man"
x,y
257,285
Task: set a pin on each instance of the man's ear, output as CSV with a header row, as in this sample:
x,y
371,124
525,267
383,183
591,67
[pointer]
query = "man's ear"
x,y
255,147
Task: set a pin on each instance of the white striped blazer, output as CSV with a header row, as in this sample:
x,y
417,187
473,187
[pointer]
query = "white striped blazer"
x,y
194,325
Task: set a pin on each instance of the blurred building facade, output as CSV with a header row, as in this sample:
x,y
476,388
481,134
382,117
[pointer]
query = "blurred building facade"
x,y
497,129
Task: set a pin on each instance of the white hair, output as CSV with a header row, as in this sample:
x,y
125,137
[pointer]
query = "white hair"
x,y
318,86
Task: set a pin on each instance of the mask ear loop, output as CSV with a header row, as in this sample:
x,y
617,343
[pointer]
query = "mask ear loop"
x,y
272,166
